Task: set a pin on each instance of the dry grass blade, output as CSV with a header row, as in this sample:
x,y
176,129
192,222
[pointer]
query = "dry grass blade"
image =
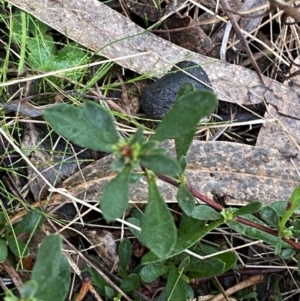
x,y
287,7
246,283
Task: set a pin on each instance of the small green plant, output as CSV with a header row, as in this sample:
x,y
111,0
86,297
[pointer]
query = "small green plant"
x,y
94,128
39,49
10,242
39,52
175,250
51,268
170,246
50,276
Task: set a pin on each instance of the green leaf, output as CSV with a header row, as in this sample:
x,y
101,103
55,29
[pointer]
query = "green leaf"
x,y
28,290
115,197
149,146
183,142
135,177
249,208
298,261
191,231
278,246
206,267
296,228
2,220
255,233
190,293
277,294
245,295
97,279
150,272
131,283
185,262
3,250
205,213
138,136
270,216
91,126
51,270
41,53
176,288
182,162
185,88
288,253
159,151
137,222
125,253
69,56
292,205
136,213
202,267
9,296
44,55
160,164
109,293
150,258
186,200
279,207
158,227
101,120
229,258
118,164
17,247
183,117
31,221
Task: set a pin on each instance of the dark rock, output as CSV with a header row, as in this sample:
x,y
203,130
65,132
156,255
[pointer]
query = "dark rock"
x,y
159,97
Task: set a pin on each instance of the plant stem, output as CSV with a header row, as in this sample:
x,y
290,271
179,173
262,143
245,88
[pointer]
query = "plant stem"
x,y
219,207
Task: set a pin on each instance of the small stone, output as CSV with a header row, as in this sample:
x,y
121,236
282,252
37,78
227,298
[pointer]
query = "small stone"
x,y
159,97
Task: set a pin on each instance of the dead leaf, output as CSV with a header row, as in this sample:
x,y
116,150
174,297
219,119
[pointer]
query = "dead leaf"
x,y
237,172
50,166
284,133
96,26
147,10
190,37
105,245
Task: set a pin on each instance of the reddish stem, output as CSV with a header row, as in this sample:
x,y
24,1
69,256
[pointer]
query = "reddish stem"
x,y
219,207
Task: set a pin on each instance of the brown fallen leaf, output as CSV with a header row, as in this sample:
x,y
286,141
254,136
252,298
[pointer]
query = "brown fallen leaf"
x,y
190,37
48,165
98,27
147,10
284,133
105,245
237,172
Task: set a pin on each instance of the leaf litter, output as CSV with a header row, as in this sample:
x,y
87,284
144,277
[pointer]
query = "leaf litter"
x,y
267,168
